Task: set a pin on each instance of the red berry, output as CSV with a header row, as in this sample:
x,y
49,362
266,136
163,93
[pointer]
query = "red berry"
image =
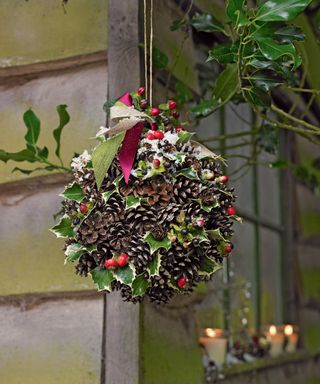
x,y
150,136
231,210
141,91
153,126
111,264
122,260
223,179
156,163
158,135
143,103
182,282
155,111
179,129
175,114
228,248
200,223
83,208
172,104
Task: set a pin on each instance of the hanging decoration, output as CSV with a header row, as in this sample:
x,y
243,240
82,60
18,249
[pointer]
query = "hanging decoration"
x,y
149,212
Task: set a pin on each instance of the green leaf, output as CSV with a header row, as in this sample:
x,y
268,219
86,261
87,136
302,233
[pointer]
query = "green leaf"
x,y
189,173
132,202
63,228
288,34
125,275
223,54
159,59
108,104
265,80
33,129
64,119
157,244
215,234
281,10
29,171
209,266
43,153
74,192
106,195
102,278
268,138
177,24
257,97
206,23
73,252
154,266
236,11
103,156
183,93
164,106
24,155
184,137
139,286
227,85
280,164
272,50
205,108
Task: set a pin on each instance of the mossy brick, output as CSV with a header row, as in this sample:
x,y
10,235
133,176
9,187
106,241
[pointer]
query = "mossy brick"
x,y
83,90
45,30
56,342
31,257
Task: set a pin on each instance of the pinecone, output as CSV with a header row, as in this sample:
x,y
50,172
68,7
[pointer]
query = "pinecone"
x,y
169,213
185,189
160,292
85,264
118,236
139,253
158,190
158,232
141,219
93,228
113,210
207,196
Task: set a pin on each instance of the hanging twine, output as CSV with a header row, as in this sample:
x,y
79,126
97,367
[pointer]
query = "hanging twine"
x,y
148,82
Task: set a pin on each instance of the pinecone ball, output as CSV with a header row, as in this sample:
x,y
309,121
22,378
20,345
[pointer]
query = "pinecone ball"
x,y
155,225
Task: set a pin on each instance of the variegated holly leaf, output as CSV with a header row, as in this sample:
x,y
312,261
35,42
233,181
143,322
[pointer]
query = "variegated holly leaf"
x,y
132,202
73,252
106,195
157,244
102,278
189,173
184,137
209,266
117,182
74,192
154,266
207,208
125,275
216,234
139,286
63,228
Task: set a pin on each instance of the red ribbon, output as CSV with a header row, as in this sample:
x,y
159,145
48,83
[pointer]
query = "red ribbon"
x,y
130,142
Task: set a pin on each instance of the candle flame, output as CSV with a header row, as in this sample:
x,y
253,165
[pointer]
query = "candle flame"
x,y
210,332
288,330
273,330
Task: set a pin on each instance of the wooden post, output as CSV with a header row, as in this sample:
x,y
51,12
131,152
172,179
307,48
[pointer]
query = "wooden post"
x,y
121,364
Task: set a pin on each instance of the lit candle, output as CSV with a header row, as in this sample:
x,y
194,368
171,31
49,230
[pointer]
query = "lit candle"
x,y
292,338
276,340
215,345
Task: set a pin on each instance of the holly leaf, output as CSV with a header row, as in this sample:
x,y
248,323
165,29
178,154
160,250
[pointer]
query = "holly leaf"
x,y
139,286
154,266
223,54
288,34
227,85
205,108
103,156
206,23
209,266
164,107
236,11
33,129
281,10
157,244
125,275
132,202
184,137
189,173
106,195
73,252
64,119
215,234
63,228
257,97
74,192
117,182
265,80
24,155
102,278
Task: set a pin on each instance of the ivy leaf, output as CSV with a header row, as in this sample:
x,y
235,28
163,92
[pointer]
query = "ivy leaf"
x,y
154,266
236,11
215,234
102,278
223,54
103,156
156,244
272,50
206,23
139,286
184,137
209,266
63,228
74,192
64,119
73,252
281,10
227,85
189,173
24,155
205,108
33,129
125,275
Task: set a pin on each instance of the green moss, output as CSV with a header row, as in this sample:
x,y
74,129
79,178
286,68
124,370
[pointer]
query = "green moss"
x,y
312,381
311,283
310,223
268,310
312,338
167,362
210,318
